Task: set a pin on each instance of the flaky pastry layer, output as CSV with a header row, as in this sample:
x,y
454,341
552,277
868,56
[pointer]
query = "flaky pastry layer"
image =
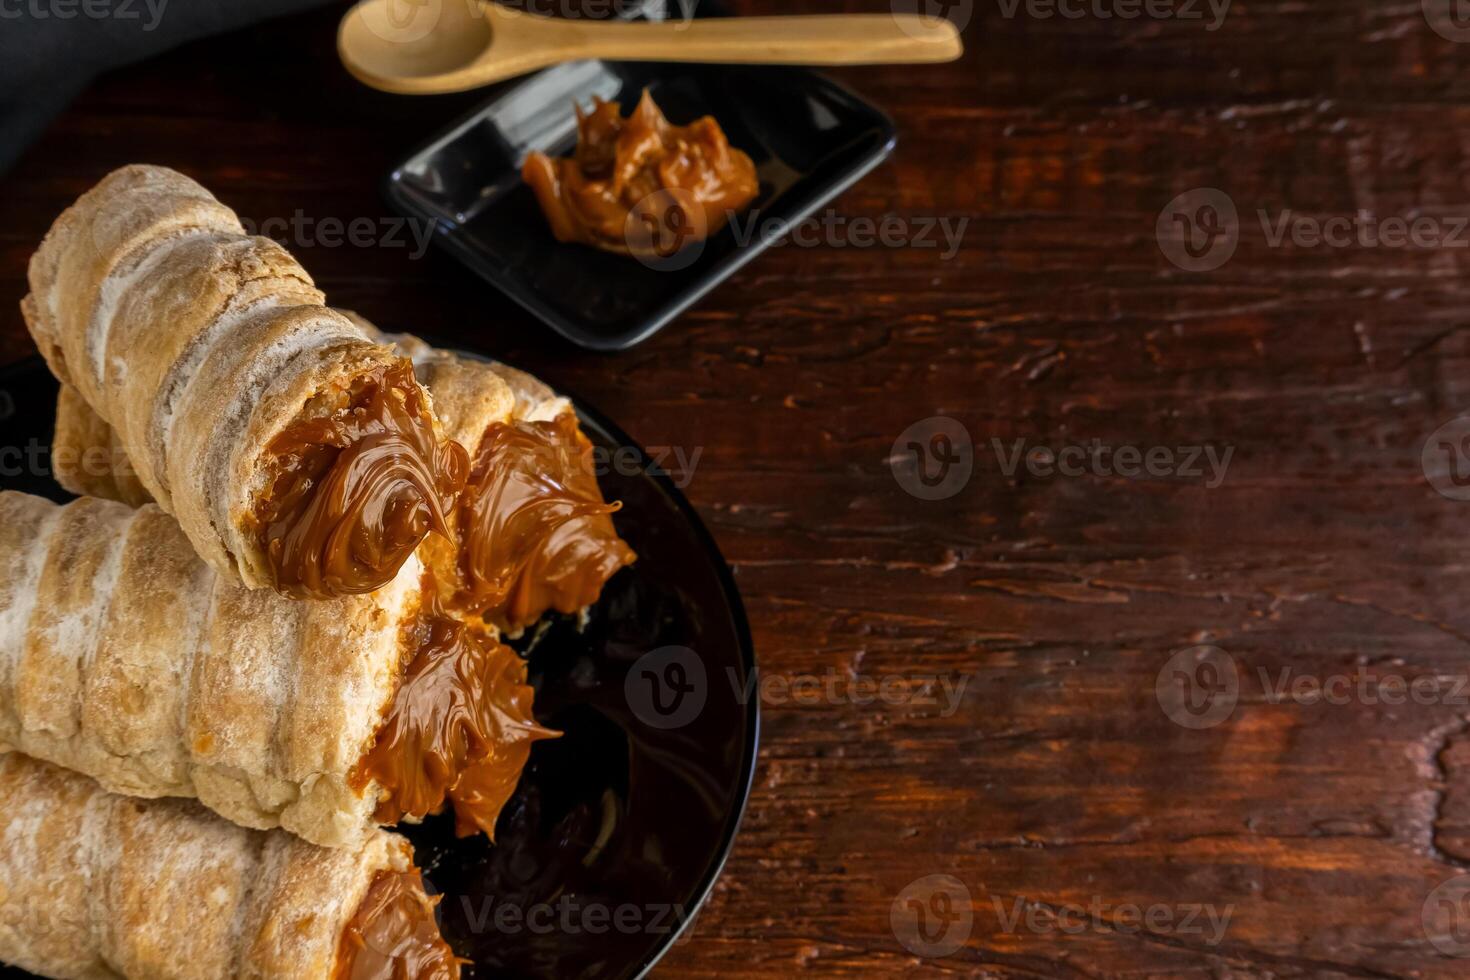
x,y
125,657
196,343
96,885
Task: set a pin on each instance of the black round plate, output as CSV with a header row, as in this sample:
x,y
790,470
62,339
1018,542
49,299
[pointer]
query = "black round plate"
x,y
618,828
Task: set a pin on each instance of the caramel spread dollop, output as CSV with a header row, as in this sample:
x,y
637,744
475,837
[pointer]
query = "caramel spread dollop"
x,y
459,729
534,531
355,489
618,167
393,935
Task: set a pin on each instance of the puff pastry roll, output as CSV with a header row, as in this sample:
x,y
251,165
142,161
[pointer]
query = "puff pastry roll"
x,y
295,452
86,456
95,885
125,657
530,533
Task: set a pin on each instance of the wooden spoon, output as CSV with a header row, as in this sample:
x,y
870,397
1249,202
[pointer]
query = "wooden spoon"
x,y
427,47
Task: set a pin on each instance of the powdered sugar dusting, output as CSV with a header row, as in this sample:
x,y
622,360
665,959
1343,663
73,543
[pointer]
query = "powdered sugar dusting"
x,y
104,885
175,386
289,700
118,283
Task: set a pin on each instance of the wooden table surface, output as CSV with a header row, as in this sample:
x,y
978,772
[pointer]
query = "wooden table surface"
x,y
1097,816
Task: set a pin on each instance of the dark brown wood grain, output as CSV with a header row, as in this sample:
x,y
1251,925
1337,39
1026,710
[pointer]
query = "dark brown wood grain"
x,y
1059,780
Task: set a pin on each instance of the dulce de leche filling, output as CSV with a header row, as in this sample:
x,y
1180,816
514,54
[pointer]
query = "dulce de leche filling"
x,y
459,729
534,531
393,935
619,168
354,489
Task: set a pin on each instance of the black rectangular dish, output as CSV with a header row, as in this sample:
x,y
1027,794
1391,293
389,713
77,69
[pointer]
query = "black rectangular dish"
x,y
809,138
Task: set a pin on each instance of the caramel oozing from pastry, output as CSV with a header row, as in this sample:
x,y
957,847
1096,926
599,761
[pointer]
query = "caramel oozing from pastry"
x,y
354,490
459,729
393,935
534,532
620,162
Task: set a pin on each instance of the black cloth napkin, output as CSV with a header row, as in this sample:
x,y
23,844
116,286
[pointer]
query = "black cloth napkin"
x,y
51,49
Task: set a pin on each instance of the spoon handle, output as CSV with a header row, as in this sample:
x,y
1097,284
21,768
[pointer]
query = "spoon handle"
x,y
821,39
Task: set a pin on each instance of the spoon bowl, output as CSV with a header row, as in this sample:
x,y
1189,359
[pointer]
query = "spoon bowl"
x,y
429,47
380,41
